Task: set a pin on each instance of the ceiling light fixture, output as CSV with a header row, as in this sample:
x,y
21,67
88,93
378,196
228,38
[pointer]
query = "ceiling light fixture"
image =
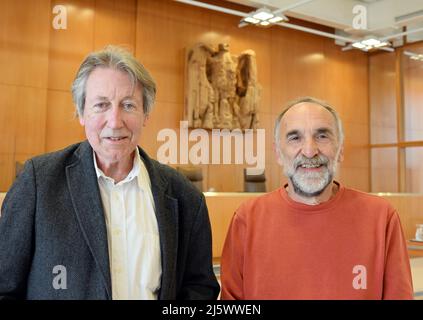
x,y
358,45
276,19
370,43
414,56
263,14
381,44
263,17
251,20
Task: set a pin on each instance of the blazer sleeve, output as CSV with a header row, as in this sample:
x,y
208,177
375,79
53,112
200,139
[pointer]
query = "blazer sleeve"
x,y
397,281
17,234
199,281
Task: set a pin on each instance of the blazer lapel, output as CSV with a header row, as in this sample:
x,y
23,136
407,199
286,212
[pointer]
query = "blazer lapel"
x,y
167,220
86,199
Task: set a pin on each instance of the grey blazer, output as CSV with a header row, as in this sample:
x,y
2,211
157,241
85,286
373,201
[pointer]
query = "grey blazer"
x,y
53,216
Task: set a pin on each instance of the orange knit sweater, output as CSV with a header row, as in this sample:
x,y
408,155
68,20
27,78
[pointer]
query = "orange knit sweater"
x,y
350,247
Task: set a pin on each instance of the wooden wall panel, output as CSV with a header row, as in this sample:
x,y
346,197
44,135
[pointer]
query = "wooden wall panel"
x,y
62,126
414,170
24,41
298,66
383,125
382,98
384,163
8,98
413,98
69,47
23,112
290,64
114,23
30,122
7,169
384,119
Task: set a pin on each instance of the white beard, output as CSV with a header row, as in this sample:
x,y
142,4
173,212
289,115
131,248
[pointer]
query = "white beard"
x,y
309,184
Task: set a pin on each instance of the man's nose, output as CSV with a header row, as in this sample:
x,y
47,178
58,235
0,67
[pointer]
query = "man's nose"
x,y
310,148
114,119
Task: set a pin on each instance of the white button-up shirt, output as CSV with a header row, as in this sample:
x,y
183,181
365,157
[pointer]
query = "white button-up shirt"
x,y
132,233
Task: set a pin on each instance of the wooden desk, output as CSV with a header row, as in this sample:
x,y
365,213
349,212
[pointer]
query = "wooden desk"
x,y
222,206
415,249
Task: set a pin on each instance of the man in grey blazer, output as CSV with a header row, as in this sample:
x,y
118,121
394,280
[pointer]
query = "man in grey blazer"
x,y
100,219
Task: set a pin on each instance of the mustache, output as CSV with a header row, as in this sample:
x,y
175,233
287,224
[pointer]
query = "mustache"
x,y
316,160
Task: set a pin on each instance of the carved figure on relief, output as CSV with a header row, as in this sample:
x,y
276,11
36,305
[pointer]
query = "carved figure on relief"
x,y
222,89
248,90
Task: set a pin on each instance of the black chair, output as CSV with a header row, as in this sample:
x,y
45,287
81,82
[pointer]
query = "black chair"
x,y
254,180
194,174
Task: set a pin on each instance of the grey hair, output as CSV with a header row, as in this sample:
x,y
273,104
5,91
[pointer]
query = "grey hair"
x,y
324,104
120,59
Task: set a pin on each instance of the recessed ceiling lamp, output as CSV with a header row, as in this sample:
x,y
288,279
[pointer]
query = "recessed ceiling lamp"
x,y
370,43
262,14
414,56
251,20
263,17
358,45
417,57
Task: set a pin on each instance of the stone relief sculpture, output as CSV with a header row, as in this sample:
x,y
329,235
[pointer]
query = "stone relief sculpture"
x,y
222,90
248,90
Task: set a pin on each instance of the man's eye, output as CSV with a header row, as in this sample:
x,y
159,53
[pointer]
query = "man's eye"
x,y
293,138
128,106
322,136
100,106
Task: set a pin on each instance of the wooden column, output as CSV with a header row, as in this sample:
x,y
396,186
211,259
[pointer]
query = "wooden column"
x,y
399,84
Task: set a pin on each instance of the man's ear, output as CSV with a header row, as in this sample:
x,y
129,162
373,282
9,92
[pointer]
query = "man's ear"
x,y
276,150
81,120
146,117
341,154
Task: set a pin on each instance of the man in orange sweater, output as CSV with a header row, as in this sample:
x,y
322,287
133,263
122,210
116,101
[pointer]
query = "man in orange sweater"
x,y
314,238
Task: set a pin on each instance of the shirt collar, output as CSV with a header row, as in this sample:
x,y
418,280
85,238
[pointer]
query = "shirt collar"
x,y
134,173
